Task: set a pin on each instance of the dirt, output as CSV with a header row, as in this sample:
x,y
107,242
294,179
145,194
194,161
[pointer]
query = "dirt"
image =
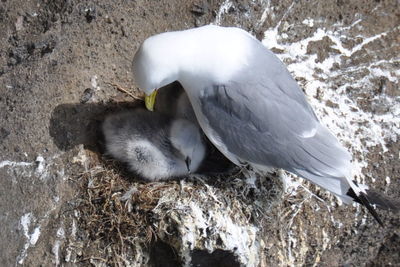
x,y
61,63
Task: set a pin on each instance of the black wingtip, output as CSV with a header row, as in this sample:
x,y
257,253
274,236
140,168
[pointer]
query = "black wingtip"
x,y
383,202
364,200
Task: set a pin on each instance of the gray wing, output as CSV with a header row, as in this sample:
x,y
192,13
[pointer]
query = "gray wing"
x,y
266,120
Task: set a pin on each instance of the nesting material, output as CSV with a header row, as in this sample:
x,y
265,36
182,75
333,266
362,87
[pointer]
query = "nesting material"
x,y
122,219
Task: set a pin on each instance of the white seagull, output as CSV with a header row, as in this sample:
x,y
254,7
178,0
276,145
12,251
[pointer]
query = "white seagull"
x,y
249,106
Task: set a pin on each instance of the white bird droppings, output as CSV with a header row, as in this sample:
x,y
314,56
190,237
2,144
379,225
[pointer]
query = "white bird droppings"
x,y
31,238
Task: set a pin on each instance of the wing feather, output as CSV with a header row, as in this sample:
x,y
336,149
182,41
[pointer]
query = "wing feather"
x,y
267,124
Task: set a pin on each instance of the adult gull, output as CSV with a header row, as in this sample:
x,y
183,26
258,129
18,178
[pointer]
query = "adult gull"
x,y
249,106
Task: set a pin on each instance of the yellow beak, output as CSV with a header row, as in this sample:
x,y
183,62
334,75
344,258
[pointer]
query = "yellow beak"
x,y
150,100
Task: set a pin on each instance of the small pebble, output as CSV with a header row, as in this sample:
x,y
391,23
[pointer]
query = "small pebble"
x,y
199,9
87,95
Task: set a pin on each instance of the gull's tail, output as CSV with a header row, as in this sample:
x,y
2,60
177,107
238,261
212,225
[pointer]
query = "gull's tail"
x,y
370,198
349,191
325,162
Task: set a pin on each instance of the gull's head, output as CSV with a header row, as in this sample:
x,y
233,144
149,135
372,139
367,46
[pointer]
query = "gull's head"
x,y
209,54
154,65
206,51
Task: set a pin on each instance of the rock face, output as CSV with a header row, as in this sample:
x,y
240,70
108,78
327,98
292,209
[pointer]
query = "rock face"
x,y
61,203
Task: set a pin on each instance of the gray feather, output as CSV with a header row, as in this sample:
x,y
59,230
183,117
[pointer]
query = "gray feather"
x,y
272,130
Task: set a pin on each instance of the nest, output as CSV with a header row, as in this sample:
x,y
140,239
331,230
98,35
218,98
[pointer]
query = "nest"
x,y
120,219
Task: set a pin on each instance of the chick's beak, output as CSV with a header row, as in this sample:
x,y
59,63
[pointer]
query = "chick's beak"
x,y
150,100
188,161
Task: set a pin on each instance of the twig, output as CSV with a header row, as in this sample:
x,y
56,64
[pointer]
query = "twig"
x,y
93,258
120,88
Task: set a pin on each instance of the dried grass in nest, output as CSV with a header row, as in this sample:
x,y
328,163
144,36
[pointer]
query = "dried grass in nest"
x,y
112,224
121,217
261,198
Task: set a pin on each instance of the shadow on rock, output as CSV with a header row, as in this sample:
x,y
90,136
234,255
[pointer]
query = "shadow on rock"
x,y
163,255
80,123
218,258
75,124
